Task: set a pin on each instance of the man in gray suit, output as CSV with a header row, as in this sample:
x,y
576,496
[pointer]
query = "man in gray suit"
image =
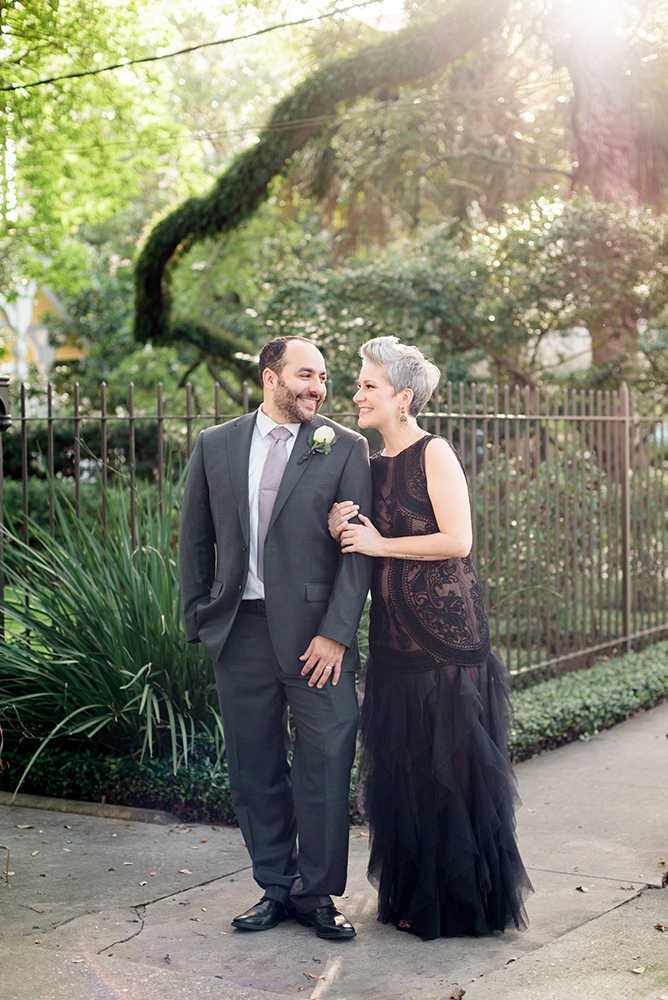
x,y
277,606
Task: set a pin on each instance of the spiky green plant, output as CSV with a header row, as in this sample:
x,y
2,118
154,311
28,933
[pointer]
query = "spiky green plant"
x,y
93,649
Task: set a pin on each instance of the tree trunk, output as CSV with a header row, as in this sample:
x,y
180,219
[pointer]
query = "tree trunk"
x,y
614,342
604,113
604,128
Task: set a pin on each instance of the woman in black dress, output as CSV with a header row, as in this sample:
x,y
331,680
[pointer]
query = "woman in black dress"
x,y
440,790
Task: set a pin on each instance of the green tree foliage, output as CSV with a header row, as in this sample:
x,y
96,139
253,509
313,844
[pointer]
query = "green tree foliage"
x,y
493,291
565,97
89,160
58,139
391,136
98,322
490,129
412,54
484,124
604,267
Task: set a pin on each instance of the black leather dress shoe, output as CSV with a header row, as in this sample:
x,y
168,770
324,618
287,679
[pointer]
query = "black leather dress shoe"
x,y
263,916
328,923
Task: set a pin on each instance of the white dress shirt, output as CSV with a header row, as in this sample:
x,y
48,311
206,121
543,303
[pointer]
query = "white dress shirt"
x,y
260,445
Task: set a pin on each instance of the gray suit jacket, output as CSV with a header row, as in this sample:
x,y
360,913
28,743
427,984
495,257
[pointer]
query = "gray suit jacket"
x,y
310,587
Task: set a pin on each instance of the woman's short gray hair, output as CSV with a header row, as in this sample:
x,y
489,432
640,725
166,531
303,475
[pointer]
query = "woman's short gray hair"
x,y
406,368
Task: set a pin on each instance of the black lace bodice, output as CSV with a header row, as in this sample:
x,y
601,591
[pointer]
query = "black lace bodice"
x,y
424,613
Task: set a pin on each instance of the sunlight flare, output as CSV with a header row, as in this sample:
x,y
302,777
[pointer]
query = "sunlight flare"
x,y
597,17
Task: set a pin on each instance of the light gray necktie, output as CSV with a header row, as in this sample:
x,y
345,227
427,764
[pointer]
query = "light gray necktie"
x,y
272,473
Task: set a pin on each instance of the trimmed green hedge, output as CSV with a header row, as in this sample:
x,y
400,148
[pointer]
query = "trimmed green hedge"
x,y
579,704
197,792
574,706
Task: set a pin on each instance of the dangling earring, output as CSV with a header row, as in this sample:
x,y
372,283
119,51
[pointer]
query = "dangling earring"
x,y
403,419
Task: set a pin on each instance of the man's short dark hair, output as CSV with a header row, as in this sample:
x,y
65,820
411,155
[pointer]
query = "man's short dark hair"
x,y
272,354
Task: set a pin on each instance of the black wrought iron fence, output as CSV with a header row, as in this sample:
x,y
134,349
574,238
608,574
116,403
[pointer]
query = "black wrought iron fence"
x,y
568,490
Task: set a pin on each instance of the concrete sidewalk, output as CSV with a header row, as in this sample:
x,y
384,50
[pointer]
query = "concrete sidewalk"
x,y
111,908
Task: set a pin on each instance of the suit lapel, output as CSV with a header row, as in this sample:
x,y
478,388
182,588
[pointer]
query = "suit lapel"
x,y
296,467
238,453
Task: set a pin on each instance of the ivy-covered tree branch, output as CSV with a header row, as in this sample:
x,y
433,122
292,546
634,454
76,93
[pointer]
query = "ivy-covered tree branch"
x,y
412,54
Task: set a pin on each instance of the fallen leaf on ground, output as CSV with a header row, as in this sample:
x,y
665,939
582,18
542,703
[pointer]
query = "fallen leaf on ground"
x,y
639,969
24,826
77,961
33,854
660,927
457,993
312,975
185,871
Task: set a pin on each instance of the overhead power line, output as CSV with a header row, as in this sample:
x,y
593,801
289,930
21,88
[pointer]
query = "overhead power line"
x,y
396,108
190,48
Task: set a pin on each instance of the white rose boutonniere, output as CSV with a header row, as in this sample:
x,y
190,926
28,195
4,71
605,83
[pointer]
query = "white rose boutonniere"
x,y
322,440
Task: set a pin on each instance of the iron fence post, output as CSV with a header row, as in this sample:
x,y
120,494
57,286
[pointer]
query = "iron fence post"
x,y
5,422
625,456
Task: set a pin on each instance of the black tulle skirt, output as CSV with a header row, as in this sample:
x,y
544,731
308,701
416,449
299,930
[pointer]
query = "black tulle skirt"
x,y
440,798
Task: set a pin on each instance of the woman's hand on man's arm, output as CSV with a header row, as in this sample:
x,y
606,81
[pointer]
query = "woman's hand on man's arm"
x,y
339,515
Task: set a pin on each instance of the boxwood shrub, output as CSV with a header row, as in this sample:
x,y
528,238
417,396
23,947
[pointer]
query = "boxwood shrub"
x,y
579,704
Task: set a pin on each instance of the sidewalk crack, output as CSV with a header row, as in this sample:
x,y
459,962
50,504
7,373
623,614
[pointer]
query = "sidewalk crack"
x,y
140,918
631,882
194,885
140,908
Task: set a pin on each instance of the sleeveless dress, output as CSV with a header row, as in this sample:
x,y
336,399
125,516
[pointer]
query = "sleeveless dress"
x,y
440,791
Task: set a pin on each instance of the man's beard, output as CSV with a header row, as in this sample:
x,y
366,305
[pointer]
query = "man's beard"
x,y
287,402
